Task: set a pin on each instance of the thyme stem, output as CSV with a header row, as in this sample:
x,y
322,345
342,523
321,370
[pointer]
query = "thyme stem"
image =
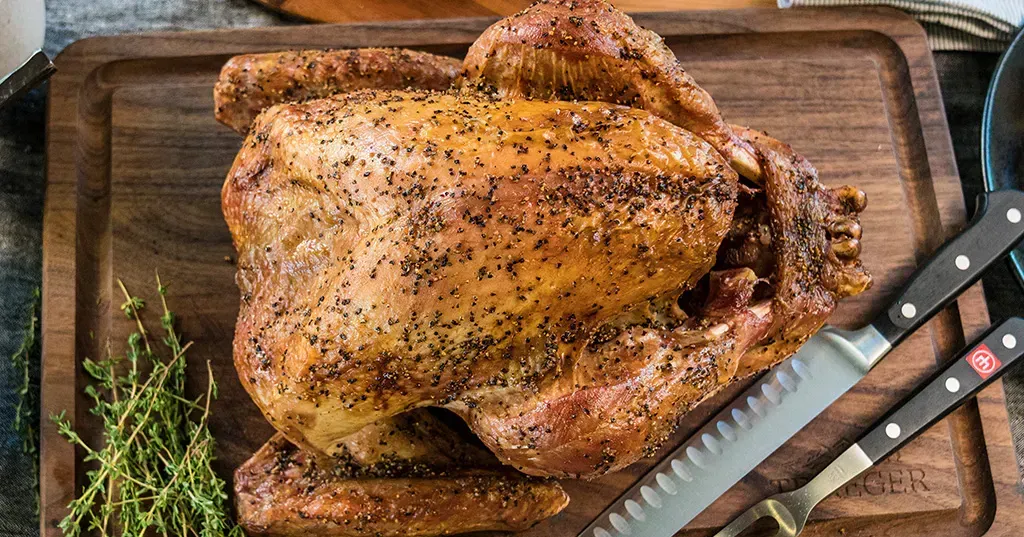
x,y
26,410
154,473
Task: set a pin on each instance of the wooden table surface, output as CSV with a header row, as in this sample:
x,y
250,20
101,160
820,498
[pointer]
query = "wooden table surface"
x,y
388,10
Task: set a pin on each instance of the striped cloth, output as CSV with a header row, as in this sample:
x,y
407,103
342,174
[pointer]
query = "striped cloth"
x,y
973,25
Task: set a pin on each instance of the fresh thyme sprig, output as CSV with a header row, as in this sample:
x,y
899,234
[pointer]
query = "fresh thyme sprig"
x,y
26,411
154,473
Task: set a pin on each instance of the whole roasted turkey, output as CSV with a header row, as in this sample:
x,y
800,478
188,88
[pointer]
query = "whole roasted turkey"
x,y
558,240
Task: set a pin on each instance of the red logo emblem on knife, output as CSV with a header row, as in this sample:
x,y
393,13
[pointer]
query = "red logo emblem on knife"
x,y
983,361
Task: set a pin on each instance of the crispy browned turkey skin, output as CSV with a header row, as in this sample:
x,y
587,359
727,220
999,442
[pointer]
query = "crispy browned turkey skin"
x,y
626,394
251,82
410,476
402,249
516,262
588,50
567,277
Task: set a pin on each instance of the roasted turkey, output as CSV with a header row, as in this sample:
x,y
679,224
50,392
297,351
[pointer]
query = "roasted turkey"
x,y
569,249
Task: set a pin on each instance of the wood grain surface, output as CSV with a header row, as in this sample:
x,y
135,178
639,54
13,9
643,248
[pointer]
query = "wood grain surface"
x,y
135,164
390,10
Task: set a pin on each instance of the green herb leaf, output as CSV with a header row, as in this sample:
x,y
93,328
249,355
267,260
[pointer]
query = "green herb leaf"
x,y
26,410
153,474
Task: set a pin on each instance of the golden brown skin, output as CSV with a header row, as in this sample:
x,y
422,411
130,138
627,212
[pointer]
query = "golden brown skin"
x,y
518,263
401,249
569,278
252,82
814,243
588,50
623,397
413,439
620,398
409,476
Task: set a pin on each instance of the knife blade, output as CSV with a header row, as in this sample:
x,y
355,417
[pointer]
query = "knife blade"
x,y
949,387
26,76
796,390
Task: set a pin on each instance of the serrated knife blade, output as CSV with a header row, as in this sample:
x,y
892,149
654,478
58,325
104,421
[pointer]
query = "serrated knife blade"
x,y
758,421
796,390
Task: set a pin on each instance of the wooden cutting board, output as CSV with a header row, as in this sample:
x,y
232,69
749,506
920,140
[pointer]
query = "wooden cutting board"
x,y
135,164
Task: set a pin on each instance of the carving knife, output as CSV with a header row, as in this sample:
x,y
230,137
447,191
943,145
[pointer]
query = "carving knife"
x,y
947,389
799,388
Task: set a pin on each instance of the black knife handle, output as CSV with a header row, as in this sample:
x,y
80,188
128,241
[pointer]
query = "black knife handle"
x,y
996,228
980,364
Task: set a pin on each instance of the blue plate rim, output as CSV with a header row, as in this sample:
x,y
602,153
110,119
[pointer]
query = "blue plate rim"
x,y
988,174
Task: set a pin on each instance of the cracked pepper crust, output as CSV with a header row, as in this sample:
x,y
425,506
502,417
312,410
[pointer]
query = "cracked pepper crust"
x,y
569,277
403,249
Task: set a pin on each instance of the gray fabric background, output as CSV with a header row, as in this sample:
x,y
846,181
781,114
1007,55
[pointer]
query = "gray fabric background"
x,y
21,201
968,25
964,78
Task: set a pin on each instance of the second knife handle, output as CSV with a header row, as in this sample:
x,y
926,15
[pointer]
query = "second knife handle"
x,y
979,365
996,228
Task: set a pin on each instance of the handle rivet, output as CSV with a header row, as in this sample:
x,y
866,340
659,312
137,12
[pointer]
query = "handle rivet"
x,y
892,431
962,262
908,310
952,384
1013,215
1009,341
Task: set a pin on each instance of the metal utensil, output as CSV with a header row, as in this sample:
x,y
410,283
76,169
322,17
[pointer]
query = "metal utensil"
x,y
22,63
796,390
980,364
36,69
